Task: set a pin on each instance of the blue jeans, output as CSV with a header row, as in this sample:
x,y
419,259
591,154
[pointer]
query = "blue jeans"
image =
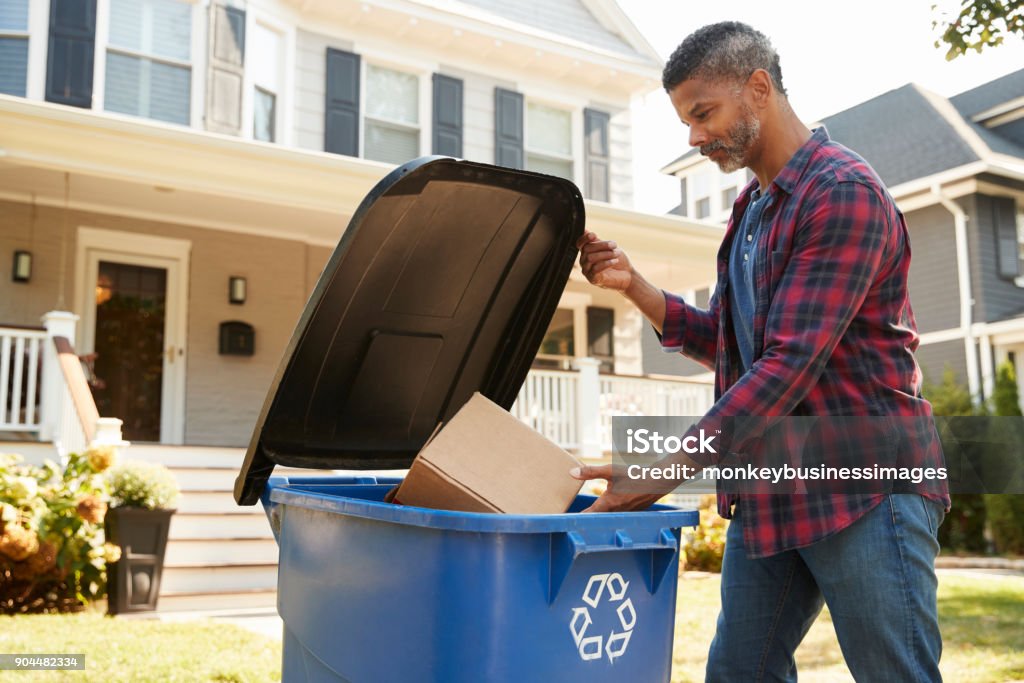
x,y
877,577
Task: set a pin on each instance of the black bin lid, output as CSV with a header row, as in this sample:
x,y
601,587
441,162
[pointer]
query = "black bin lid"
x,y
443,284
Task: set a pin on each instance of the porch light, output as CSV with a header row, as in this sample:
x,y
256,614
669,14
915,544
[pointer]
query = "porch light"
x,y
236,290
22,269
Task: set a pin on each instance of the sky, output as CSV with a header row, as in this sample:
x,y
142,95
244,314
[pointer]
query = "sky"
x,y
834,55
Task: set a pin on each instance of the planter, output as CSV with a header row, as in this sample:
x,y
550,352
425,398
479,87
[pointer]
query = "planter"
x,y
133,582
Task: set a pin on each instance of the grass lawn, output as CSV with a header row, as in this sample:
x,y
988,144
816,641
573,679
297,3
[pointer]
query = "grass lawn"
x,y
982,621
981,617
141,651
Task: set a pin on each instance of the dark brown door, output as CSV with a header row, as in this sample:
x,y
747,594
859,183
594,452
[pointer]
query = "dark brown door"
x,y
130,312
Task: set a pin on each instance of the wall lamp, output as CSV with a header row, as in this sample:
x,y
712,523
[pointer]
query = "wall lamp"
x,y
22,269
236,290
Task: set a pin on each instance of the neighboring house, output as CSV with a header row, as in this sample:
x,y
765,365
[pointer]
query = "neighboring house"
x,y
956,169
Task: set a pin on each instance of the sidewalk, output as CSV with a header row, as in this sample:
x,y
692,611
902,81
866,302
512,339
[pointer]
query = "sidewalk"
x,y
261,620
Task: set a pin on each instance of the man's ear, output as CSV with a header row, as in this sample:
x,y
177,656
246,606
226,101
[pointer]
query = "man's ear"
x,y
760,88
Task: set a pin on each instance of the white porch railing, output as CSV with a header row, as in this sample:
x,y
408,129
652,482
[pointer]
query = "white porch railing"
x,y
575,409
21,351
43,389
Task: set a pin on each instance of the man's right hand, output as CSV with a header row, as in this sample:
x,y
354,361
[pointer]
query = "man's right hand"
x,y
604,264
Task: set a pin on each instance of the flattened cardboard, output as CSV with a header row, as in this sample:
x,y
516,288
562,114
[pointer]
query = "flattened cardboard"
x,y
485,460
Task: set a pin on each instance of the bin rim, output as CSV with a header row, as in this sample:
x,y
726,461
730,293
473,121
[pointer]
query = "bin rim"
x,y
279,492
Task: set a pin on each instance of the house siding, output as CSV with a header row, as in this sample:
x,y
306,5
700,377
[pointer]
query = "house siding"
x,y
658,362
223,394
933,359
934,290
311,86
995,298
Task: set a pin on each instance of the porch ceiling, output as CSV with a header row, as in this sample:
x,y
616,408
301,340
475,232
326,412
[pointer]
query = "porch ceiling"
x,y
150,170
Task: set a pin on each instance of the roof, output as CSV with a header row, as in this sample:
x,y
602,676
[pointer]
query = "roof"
x,y
574,19
910,133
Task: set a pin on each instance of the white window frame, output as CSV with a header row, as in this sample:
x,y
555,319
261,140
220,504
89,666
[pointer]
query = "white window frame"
x,y
575,127
718,211
1019,281
425,96
197,65
286,68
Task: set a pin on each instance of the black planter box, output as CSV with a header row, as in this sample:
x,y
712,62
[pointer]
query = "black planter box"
x,y
133,582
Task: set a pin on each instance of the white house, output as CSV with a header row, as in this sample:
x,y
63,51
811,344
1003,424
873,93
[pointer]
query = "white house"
x,y
170,166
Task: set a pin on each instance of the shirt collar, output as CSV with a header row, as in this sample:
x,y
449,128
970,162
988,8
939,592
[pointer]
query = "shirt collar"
x,y
790,174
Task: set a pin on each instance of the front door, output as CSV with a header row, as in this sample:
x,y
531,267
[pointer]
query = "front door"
x,y
132,293
131,307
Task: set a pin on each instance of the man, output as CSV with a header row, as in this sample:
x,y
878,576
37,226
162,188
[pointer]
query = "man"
x,y
810,317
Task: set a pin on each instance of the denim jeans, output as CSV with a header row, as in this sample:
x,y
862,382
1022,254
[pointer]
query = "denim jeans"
x,y
877,577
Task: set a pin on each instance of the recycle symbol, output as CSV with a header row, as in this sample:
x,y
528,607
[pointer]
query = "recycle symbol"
x,y
609,588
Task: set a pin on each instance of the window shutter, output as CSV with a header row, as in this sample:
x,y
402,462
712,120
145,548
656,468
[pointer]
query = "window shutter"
x,y
601,336
447,116
341,126
684,206
595,124
1006,237
226,71
508,128
70,61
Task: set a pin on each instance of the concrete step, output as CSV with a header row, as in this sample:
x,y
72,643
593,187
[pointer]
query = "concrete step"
x,y
221,552
34,452
218,579
211,502
261,600
194,526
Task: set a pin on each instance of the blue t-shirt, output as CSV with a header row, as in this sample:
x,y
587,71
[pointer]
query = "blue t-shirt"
x,y
741,276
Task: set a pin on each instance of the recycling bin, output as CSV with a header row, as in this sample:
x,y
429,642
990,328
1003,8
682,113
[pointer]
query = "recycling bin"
x,y
443,285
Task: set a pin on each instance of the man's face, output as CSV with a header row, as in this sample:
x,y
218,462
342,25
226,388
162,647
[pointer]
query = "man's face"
x,y
722,124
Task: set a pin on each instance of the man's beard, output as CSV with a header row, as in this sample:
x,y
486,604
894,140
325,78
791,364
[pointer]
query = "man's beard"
x,y
742,136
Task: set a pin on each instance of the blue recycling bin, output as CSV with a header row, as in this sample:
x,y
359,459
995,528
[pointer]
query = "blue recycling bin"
x,y
371,592
443,285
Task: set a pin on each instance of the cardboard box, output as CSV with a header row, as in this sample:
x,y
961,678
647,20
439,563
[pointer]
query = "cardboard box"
x,y
485,460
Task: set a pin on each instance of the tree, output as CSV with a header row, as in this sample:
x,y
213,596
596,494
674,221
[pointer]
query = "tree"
x,y
980,24
1005,512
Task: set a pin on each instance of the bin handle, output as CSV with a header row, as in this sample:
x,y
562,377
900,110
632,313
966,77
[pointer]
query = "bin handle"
x,y
567,546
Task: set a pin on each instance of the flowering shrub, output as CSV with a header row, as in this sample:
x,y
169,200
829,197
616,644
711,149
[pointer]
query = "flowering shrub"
x,y
704,545
52,551
142,485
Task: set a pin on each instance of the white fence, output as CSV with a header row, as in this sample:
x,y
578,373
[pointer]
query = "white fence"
x,y
556,403
21,354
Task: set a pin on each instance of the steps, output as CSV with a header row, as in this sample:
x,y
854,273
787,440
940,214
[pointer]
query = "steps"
x,y
219,555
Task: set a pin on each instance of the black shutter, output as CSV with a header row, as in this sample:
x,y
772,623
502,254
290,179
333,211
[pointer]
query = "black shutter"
x,y
595,125
683,203
601,336
447,116
72,44
1005,221
508,128
341,125
226,72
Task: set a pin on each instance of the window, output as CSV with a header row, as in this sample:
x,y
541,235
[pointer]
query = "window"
x,y
548,143
702,193
728,197
149,60
266,71
13,46
558,347
392,118
601,337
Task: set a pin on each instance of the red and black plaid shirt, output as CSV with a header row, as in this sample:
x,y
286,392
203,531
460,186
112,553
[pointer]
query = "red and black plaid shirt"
x,y
833,332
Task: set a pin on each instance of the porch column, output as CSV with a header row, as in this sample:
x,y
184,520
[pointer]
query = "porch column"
x,y
588,408
58,324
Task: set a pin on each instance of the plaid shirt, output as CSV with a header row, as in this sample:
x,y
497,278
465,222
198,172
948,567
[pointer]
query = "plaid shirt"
x,y
834,334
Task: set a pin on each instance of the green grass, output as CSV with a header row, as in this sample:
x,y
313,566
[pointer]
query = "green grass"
x,y
141,651
982,622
